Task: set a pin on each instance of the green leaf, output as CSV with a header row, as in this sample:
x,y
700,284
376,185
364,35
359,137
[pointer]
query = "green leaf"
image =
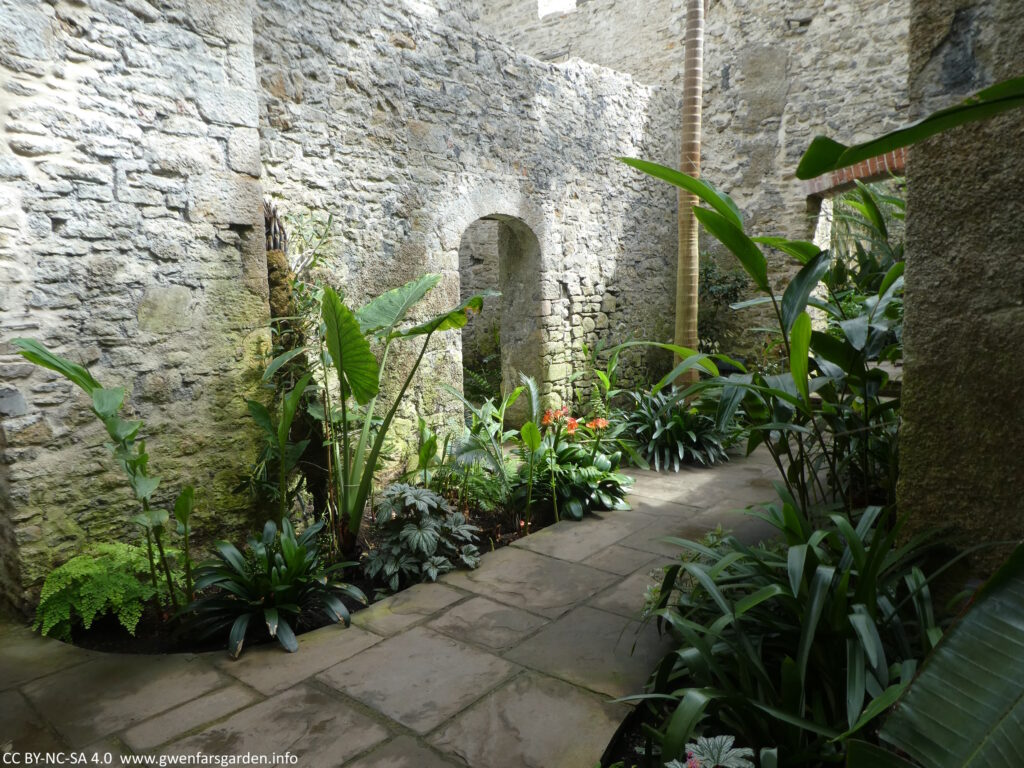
x,y
720,201
965,707
236,638
286,637
281,360
871,211
143,485
36,353
794,300
820,584
350,351
825,154
453,319
895,272
799,345
261,416
107,402
273,620
386,311
801,250
856,331
289,405
684,719
733,238
183,504
877,706
531,436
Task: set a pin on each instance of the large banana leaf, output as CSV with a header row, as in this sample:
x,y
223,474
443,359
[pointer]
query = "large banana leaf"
x,y
825,154
349,349
966,707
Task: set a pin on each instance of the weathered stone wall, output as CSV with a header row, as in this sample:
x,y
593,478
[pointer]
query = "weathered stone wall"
x,y
961,445
130,241
409,127
775,75
478,271
135,138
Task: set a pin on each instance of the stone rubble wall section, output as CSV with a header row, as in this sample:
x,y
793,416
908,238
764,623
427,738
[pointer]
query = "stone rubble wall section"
x,y
138,139
408,126
775,75
130,241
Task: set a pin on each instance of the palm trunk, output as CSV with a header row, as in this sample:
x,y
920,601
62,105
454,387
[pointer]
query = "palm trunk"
x,y
688,266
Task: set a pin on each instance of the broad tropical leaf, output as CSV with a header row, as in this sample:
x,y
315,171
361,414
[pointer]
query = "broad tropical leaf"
x,y
966,707
36,353
453,318
734,238
720,201
386,311
794,300
350,351
825,154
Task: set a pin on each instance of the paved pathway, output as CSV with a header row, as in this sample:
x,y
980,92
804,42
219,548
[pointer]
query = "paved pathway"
x,y
512,665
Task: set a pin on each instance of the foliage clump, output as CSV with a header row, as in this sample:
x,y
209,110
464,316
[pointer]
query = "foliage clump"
x,y
421,537
109,578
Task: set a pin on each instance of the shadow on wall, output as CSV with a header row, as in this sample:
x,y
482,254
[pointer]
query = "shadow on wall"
x,y
502,253
9,572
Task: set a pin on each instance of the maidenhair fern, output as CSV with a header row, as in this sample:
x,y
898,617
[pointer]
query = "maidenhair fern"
x,y
108,578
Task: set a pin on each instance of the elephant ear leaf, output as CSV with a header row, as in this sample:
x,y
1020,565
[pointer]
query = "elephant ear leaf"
x,y
452,319
350,351
965,706
382,314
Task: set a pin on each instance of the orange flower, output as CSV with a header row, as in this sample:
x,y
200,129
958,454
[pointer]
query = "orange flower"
x,y
598,424
549,416
563,411
571,425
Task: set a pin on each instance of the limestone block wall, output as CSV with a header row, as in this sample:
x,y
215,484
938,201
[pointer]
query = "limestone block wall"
x,y
775,75
408,126
961,445
130,241
137,140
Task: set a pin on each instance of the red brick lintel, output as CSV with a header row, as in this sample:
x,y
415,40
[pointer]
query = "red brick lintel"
x,y
880,167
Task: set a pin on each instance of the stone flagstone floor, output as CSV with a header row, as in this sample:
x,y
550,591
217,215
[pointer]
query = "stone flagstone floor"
x,y
512,665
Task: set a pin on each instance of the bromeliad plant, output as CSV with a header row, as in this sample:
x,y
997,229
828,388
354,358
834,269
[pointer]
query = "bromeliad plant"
x,y
671,434
130,454
279,582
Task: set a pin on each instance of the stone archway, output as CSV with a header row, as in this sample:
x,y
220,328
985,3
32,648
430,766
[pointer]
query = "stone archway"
x,y
502,253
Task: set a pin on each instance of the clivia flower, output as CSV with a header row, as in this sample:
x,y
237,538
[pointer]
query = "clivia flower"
x,y
571,425
598,424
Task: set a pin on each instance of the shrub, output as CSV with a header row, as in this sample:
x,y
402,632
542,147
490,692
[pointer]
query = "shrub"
x,y
279,580
797,643
670,433
419,538
108,578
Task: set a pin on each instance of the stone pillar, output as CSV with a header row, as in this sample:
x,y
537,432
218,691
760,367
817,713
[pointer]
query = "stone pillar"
x,y
962,444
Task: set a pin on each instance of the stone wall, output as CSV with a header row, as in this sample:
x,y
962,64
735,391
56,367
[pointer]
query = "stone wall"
x,y
137,141
129,195
775,75
409,127
961,445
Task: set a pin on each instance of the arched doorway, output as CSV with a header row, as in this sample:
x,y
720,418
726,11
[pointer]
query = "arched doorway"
x,y
501,253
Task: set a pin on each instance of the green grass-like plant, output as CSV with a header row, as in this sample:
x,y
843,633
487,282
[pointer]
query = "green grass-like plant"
x,y
671,434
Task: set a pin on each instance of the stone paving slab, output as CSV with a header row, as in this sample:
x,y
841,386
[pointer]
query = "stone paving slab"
x,y
626,597
403,752
650,539
576,540
271,669
22,729
619,560
306,721
484,622
392,615
533,582
114,691
27,656
593,649
189,716
419,678
532,722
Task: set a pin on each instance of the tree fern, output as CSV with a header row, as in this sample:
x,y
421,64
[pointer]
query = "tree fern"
x,y
109,578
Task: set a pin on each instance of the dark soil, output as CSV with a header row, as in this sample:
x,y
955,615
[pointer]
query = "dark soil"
x,y
628,747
